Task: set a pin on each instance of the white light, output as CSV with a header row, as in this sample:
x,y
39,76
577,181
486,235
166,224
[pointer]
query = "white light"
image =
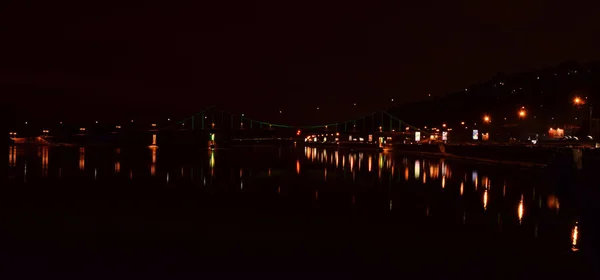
x,y
96,121
25,122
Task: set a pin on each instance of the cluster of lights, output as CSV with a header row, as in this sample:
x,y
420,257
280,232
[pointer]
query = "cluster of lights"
x,y
13,134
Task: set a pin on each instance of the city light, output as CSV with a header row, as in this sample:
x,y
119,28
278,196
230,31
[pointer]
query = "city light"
x,y
522,113
298,132
578,101
487,119
462,123
444,125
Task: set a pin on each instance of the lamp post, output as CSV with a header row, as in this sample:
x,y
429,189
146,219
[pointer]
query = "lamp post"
x,y
578,102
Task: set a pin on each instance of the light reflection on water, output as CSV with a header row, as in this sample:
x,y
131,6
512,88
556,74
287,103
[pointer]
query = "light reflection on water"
x,y
12,156
82,158
315,168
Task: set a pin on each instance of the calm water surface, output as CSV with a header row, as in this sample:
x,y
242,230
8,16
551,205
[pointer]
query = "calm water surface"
x,y
82,211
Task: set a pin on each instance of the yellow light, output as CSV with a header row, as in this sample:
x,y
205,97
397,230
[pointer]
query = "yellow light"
x,y
444,125
462,123
82,129
485,199
577,101
153,125
486,119
574,236
118,126
520,209
522,113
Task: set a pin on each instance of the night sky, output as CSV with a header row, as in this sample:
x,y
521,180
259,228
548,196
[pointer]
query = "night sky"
x,y
111,61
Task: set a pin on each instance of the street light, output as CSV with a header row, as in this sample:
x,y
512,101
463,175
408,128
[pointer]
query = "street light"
x,y
578,102
487,119
522,113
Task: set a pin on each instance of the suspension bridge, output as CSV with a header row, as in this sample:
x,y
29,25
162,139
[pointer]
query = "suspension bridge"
x,y
237,127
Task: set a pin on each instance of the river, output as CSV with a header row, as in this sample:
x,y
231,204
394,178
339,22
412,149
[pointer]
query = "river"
x,y
287,209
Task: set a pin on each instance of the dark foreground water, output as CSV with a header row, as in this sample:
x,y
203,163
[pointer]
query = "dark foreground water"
x,y
291,212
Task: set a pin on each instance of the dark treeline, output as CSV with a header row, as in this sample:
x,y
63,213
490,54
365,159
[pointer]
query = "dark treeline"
x,y
547,96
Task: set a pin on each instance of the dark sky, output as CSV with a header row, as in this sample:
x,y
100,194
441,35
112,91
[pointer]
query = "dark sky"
x,y
159,59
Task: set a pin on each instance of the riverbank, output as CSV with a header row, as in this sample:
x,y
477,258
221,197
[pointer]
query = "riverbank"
x,y
525,156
